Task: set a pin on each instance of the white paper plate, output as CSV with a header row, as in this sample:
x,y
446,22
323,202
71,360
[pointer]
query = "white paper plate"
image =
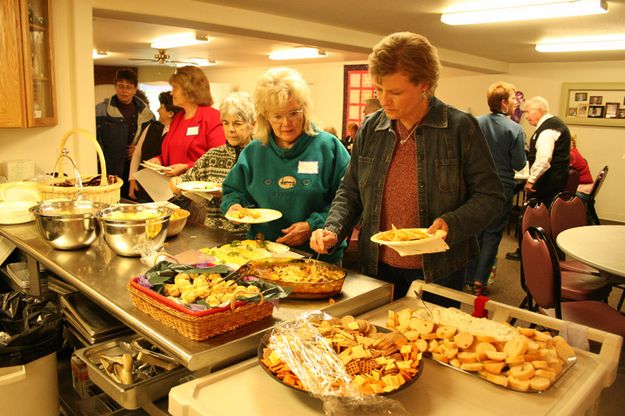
x,y
433,244
155,167
265,215
199,186
19,191
16,212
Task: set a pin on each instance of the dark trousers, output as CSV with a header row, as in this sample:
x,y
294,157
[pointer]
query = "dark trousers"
x,y
488,240
403,278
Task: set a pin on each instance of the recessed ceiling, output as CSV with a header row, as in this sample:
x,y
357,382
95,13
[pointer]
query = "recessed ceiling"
x,y
504,42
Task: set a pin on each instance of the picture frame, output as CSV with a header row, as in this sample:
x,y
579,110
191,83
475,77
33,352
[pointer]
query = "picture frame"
x,y
596,111
595,100
586,114
611,110
581,96
621,113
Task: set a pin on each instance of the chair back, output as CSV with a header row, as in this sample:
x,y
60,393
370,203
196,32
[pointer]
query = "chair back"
x,y
535,213
567,211
541,269
596,186
572,181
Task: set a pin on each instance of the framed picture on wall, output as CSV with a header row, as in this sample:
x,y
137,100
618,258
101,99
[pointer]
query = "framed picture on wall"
x,y
602,107
621,113
595,111
611,110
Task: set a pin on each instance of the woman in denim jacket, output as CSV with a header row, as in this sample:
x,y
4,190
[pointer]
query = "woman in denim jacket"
x,y
417,162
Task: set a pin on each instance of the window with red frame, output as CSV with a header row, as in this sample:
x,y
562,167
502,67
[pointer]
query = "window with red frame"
x,y
357,88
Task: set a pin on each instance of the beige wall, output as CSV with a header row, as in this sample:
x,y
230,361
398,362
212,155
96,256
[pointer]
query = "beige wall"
x,y
464,89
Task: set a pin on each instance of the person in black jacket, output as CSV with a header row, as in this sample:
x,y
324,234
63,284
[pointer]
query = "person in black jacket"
x,y
120,120
149,144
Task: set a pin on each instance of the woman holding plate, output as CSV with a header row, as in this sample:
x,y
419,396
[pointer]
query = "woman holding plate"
x,y
419,163
293,167
237,117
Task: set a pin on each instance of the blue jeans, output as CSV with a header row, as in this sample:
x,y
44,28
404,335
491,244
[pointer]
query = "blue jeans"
x,y
403,278
480,267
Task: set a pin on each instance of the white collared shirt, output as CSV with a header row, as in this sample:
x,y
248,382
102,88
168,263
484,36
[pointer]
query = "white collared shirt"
x,y
545,144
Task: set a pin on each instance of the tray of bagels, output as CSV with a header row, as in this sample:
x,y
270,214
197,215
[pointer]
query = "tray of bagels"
x,y
516,358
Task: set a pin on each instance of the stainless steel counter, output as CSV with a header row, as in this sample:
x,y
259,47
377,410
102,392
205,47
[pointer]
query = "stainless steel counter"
x,y
103,276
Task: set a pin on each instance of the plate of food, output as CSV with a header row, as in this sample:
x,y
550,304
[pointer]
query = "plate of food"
x,y
254,215
239,252
352,345
199,186
412,241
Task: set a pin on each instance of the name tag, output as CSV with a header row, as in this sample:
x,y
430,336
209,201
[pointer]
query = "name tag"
x,y
193,131
308,167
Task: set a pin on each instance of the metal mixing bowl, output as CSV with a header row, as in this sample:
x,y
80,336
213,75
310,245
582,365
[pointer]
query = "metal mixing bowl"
x,y
126,232
68,225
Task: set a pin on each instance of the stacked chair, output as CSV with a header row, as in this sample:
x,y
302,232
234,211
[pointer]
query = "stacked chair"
x,y
544,283
576,285
572,181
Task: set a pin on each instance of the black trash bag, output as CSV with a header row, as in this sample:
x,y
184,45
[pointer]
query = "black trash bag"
x,y
30,328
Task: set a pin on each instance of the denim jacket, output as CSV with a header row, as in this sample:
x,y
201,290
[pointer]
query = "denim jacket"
x,y
457,182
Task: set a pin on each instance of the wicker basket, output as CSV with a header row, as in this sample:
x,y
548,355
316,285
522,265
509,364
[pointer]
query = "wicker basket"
x,y
108,194
197,325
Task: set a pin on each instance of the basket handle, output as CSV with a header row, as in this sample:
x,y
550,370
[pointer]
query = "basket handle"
x,y
66,136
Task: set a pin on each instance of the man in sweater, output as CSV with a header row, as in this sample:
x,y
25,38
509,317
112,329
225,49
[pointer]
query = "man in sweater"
x,y
506,141
549,152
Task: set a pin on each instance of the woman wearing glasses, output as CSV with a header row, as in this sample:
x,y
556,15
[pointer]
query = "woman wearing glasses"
x,y
293,167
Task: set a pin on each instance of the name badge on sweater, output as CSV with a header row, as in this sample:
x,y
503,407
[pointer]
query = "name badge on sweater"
x,y
308,167
193,131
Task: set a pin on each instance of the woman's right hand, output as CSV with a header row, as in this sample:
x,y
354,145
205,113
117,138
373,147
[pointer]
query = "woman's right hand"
x,y
231,211
322,240
173,185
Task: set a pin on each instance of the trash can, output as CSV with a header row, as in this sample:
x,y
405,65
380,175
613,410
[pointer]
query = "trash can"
x,y
30,335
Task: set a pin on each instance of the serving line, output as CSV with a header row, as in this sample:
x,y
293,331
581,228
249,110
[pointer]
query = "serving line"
x,y
103,276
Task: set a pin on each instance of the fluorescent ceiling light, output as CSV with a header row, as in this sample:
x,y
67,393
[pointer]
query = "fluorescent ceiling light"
x,y
176,41
509,11
96,54
297,53
585,43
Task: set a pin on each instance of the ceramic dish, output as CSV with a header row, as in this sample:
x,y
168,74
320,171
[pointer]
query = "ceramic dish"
x,y
254,216
199,186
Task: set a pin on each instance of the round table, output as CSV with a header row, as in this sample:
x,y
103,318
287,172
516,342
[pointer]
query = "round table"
x,y
600,246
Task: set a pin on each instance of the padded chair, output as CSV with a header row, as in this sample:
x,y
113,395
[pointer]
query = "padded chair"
x,y
544,282
572,181
596,186
568,211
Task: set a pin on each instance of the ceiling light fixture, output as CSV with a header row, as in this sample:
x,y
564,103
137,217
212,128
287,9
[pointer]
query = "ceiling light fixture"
x,y
613,42
297,53
97,54
176,41
509,11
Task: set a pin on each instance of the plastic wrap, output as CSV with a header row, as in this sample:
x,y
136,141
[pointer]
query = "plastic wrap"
x,y
311,358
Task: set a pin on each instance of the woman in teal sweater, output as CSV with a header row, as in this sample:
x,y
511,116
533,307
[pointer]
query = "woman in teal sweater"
x,y
292,167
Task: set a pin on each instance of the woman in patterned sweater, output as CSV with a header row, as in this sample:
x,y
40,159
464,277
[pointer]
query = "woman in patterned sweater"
x,y
237,117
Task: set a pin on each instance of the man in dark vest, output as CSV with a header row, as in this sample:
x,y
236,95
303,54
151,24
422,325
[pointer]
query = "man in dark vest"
x,y
549,152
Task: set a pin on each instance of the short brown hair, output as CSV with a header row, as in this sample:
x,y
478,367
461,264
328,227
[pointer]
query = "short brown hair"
x,y
409,53
126,75
498,92
194,84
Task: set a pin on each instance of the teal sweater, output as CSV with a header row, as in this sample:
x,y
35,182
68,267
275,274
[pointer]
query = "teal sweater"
x,y
300,182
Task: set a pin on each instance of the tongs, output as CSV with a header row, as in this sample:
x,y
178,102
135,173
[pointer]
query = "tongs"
x,y
148,356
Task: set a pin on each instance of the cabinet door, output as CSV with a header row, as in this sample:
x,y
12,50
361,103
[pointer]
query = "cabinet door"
x,y
38,63
12,97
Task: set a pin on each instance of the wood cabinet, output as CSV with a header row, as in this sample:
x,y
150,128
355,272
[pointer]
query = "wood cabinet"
x,y
27,89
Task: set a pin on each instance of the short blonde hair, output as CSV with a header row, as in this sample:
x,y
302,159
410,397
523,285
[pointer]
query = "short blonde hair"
x,y
193,83
409,53
497,92
537,102
238,104
273,91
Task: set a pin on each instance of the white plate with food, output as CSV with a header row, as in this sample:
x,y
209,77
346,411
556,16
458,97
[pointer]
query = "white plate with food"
x,y
254,215
412,241
199,186
155,167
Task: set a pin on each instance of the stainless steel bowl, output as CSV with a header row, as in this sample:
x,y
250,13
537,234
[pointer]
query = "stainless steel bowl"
x,y
68,225
127,227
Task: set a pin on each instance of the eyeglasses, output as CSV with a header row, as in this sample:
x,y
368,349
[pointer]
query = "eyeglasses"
x,y
291,115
